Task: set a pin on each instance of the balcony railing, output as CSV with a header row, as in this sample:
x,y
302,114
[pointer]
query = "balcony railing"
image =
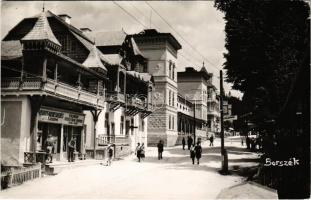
x,y
136,102
104,140
56,88
115,97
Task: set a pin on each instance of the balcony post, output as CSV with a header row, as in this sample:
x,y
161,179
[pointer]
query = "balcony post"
x,y
44,70
55,73
95,114
61,142
118,78
35,103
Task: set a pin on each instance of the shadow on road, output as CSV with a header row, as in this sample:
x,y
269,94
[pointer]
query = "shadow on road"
x,y
180,159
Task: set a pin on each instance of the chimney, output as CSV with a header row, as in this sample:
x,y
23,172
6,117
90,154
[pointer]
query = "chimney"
x,y
65,17
85,30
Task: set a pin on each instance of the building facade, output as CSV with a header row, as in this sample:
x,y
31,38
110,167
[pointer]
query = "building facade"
x,y
196,87
161,51
55,81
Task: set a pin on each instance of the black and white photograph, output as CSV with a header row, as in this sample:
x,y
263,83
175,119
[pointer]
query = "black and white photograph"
x,y
152,100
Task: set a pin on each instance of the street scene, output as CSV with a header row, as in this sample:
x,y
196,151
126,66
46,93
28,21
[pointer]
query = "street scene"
x,y
155,99
148,179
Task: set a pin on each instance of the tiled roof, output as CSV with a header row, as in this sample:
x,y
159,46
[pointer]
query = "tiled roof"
x,y
114,59
93,59
41,31
69,26
11,49
89,46
108,38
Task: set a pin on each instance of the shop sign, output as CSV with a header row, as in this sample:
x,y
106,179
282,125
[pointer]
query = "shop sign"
x,y
61,117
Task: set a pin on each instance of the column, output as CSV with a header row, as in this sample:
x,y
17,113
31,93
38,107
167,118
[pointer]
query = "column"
x,y
44,78
61,156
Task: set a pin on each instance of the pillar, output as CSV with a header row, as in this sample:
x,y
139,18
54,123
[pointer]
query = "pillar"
x,y
44,78
61,156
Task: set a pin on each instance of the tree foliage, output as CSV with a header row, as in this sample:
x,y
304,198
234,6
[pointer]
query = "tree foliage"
x,y
266,42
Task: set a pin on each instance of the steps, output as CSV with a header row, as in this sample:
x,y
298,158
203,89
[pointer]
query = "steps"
x,y
57,166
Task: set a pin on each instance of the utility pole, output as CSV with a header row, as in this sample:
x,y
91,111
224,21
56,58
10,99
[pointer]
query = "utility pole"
x,y
224,155
194,123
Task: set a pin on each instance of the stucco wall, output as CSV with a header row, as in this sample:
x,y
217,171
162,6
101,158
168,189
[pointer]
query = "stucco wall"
x,y
15,132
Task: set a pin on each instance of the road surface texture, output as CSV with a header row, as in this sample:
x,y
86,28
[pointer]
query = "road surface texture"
x,y
174,177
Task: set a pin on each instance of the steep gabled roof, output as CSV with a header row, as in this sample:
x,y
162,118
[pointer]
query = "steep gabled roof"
x,y
41,31
108,38
93,60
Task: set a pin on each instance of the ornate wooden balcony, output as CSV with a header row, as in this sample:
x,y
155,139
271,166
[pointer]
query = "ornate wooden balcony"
x,y
35,86
115,100
104,140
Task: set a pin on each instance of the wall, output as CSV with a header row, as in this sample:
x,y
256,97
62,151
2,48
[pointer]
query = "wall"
x,y
15,134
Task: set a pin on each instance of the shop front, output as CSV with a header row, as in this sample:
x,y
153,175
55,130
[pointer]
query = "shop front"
x,y
61,126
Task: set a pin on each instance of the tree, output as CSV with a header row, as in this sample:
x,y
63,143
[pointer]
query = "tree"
x,y
266,42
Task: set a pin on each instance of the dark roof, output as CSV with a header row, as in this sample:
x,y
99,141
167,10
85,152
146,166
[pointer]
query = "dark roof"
x,y
41,31
71,27
108,38
153,33
11,50
190,71
93,60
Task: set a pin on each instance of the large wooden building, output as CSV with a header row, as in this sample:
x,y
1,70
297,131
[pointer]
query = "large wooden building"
x,y
56,81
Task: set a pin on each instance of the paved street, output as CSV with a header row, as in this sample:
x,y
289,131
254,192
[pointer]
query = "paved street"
x,y
174,177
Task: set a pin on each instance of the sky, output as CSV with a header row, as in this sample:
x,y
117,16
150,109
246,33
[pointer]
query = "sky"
x,y
197,25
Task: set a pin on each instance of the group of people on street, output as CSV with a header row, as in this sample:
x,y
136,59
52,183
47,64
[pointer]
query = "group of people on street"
x,y
140,151
195,150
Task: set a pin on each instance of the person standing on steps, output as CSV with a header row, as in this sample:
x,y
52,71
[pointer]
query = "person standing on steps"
x,y
160,149
49,143
183,143
198,152
192,154
137,151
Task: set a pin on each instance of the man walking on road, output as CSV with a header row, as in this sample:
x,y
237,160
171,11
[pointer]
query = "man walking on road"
x,y
192,153
160,149
189,142
198,152
137,151
183,143
110,155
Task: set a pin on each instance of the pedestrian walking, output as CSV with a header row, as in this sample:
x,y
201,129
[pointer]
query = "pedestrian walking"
x,y
137,151
71,149
192,154
49,144
211,140
183,143
110,155
142,151
160,149
242,140
198,152
189,142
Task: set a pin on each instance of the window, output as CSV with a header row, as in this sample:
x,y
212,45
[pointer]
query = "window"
x,y
132,124
173,122
169,97
122,125
173,99
169,122
170,69
173,73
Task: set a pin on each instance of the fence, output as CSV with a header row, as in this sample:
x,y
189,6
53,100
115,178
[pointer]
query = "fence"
x,y
18,176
